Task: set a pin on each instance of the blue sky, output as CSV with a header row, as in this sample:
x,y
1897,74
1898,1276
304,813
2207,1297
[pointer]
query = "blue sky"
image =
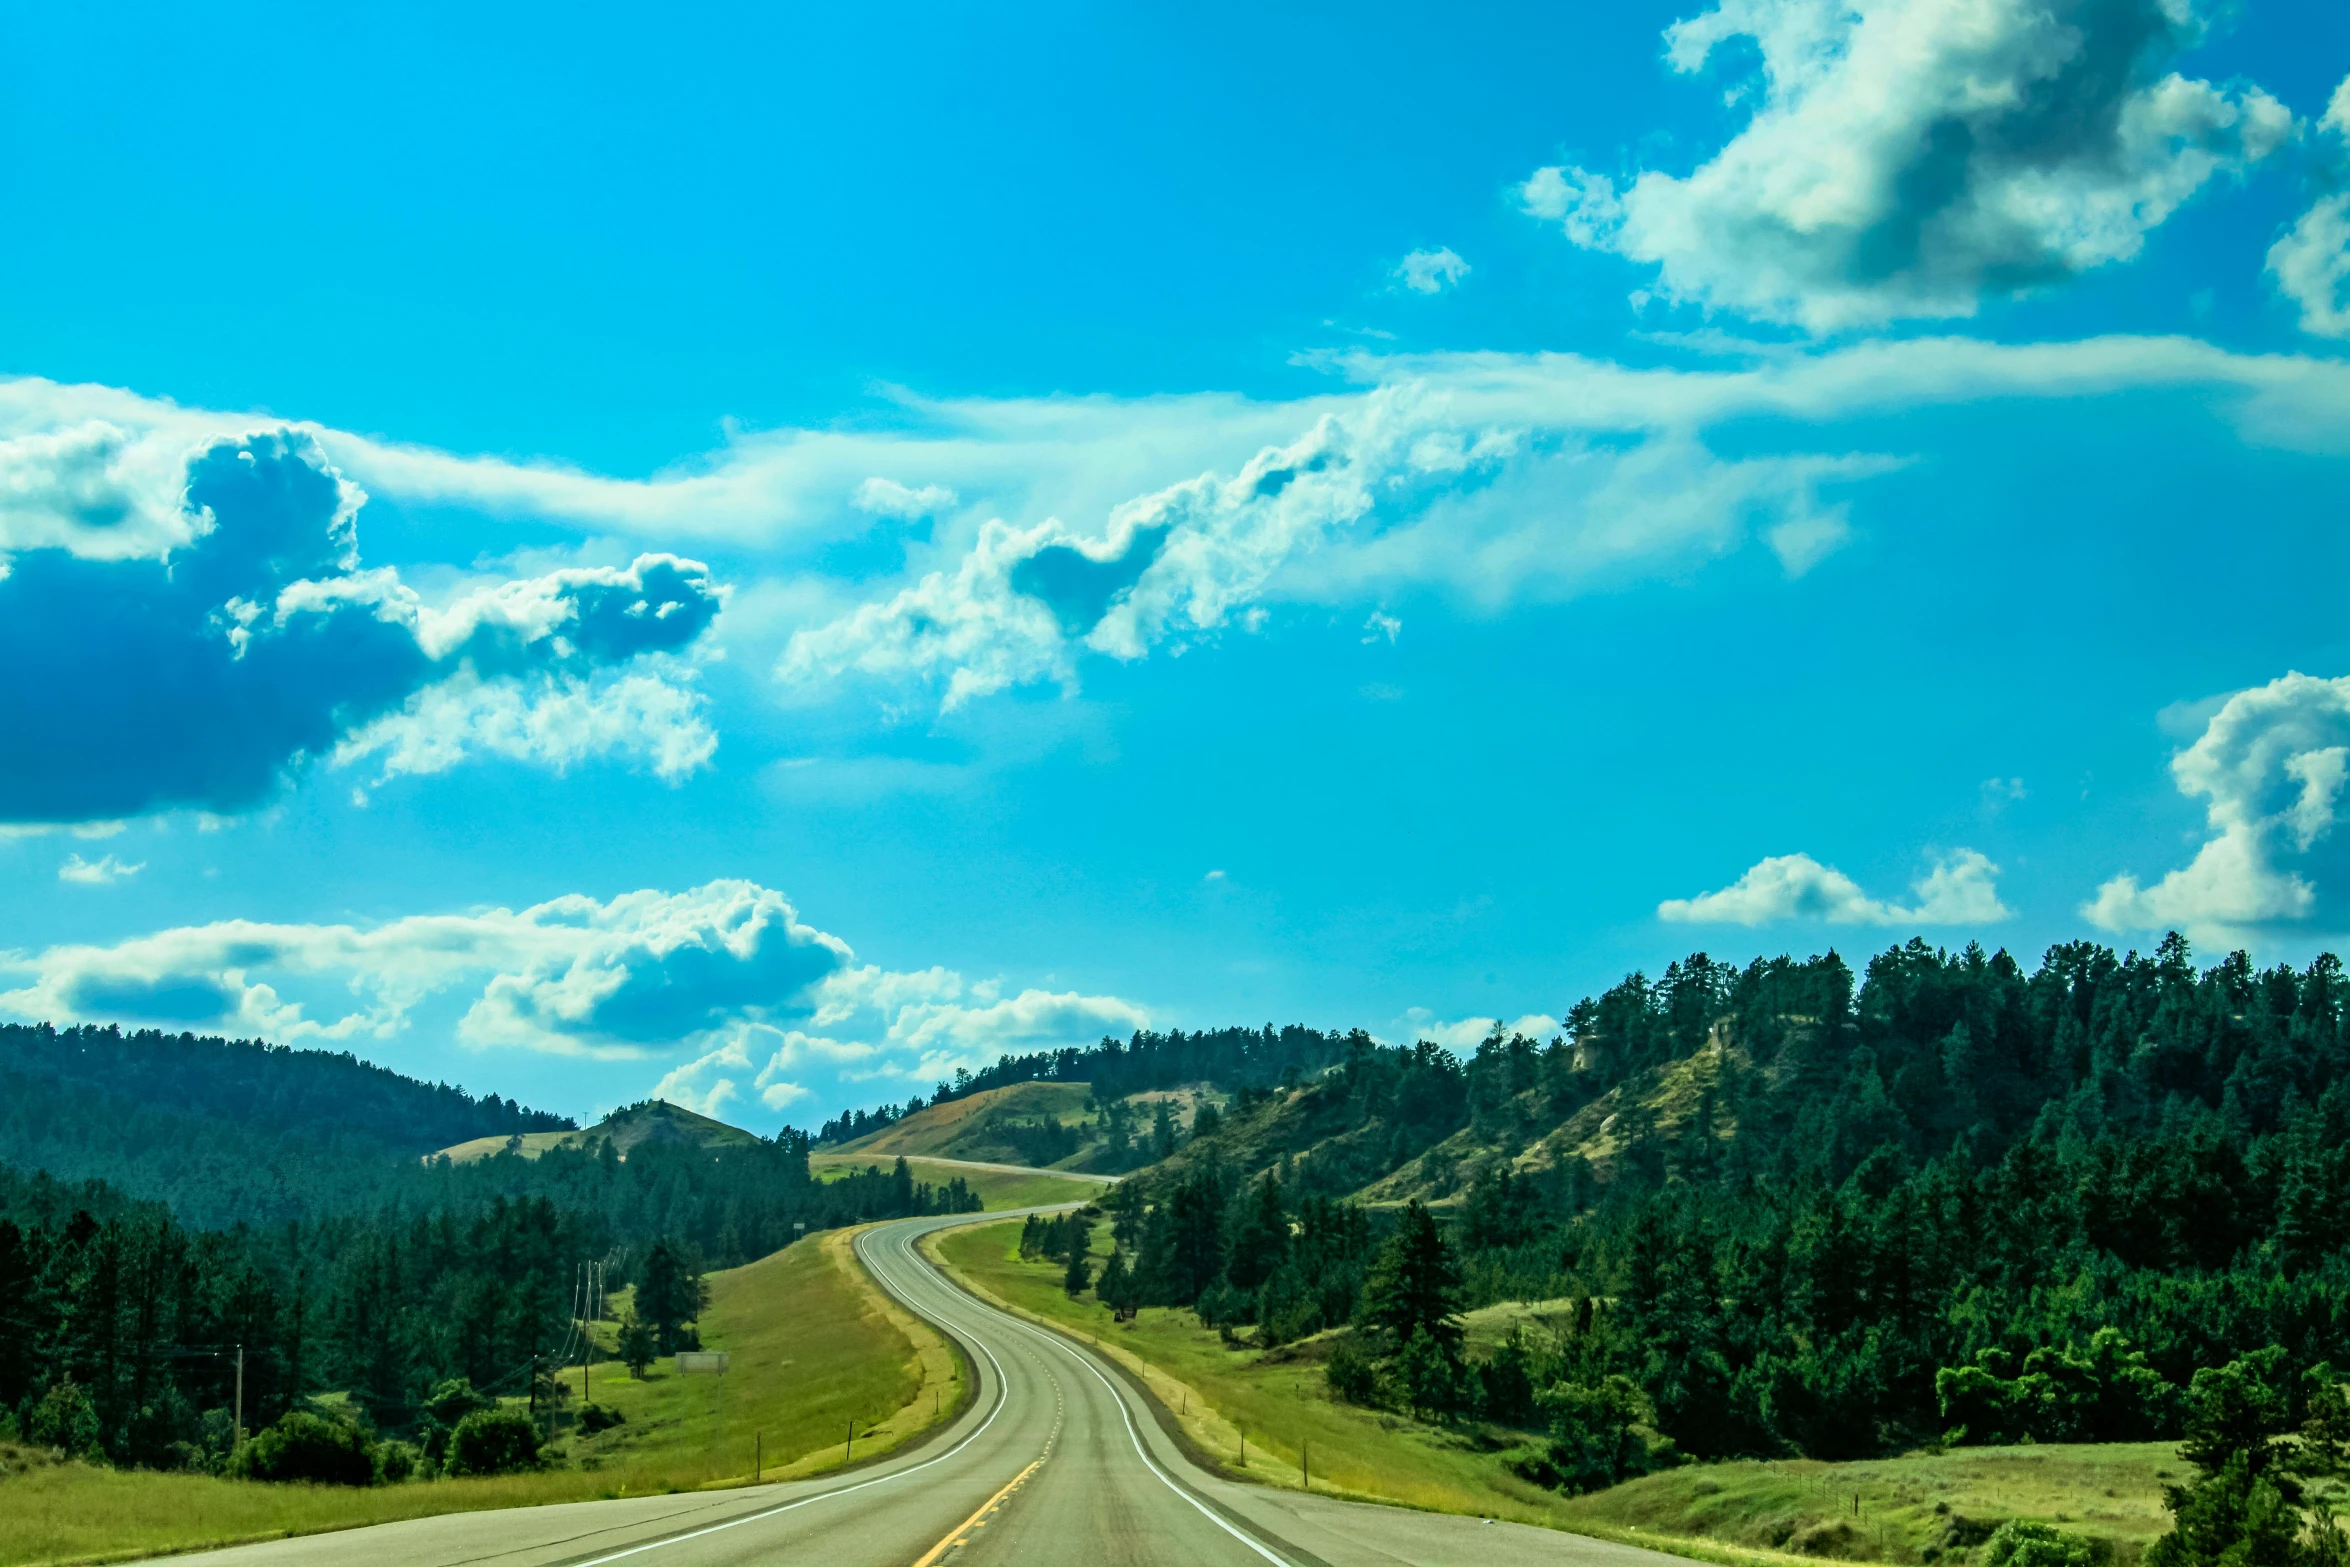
x,y
764,555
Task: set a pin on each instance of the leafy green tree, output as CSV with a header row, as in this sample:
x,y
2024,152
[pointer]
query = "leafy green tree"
x,y
1079,1275
1596,1438
2242,1510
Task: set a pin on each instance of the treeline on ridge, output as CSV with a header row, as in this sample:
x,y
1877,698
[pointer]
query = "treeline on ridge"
x,y
1790,1213
1231,1058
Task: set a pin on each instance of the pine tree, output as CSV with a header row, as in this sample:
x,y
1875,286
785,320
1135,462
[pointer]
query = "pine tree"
x,y
1415,1286
1260,1235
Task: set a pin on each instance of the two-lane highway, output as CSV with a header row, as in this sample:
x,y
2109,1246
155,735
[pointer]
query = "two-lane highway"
x,y
1056,1462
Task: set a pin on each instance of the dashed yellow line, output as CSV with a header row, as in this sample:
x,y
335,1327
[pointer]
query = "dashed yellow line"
x,y
960,1534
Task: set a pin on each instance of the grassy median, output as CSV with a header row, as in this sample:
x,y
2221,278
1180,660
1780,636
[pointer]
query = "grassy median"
x,y
1908,1510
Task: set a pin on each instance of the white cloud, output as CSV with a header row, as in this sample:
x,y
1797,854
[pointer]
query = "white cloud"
x,y
1404,486
2310,262
1381,624
880,1035
2270,766
1908,157
1462,1036
763,1005
888,498
1961,889
555,721
2311,265
102,872
1431,271
1497,478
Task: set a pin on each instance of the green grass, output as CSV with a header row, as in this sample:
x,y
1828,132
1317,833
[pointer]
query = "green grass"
x,y
1912,1509
814,1346
998,1189
1278,1399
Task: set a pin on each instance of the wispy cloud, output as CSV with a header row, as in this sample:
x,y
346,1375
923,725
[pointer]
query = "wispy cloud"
x,y
101,872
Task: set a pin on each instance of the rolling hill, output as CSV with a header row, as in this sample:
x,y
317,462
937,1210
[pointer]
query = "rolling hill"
x,y
1047,1125
656,1121
227,1131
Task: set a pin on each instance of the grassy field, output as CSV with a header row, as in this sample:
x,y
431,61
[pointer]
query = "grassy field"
x,y
814,1348
1913,1509
1917,1508
998,1189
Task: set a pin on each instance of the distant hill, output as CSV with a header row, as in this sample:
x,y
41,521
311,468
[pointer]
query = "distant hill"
x,y
655,1121
1050,1125
226,1131
1000,1125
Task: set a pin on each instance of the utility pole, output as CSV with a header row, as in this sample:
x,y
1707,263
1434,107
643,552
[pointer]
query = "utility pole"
x,y
240,1392
1305,1464
851,1450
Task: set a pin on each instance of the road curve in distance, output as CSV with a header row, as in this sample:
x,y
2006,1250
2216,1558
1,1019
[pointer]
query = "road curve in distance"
x,y
1057,1461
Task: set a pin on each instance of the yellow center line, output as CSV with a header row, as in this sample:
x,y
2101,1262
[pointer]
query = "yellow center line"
x,y
955,1536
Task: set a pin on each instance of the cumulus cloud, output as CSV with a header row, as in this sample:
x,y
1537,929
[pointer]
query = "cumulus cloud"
x,y
1962,888
763,1007
1495,478
193,670
1910,157
2269,766
101,872
880,1035
2310,262
1431,271
1462,1036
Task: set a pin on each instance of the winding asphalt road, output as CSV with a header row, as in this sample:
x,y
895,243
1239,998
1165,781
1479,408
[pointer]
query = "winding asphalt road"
x,y
1057,1462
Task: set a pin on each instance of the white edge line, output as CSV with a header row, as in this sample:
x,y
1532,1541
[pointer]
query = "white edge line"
x,y
1135,1437
1003,1396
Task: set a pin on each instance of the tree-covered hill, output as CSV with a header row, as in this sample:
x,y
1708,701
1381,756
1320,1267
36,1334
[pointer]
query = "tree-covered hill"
x,y
1797,1210
226,1131
165,1200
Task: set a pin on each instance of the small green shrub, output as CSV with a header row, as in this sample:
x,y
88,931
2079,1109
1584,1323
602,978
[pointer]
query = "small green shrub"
x,y
1352,1374
494,1442
395,1462
305,1446
2022,1543
66,1420
596,1417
